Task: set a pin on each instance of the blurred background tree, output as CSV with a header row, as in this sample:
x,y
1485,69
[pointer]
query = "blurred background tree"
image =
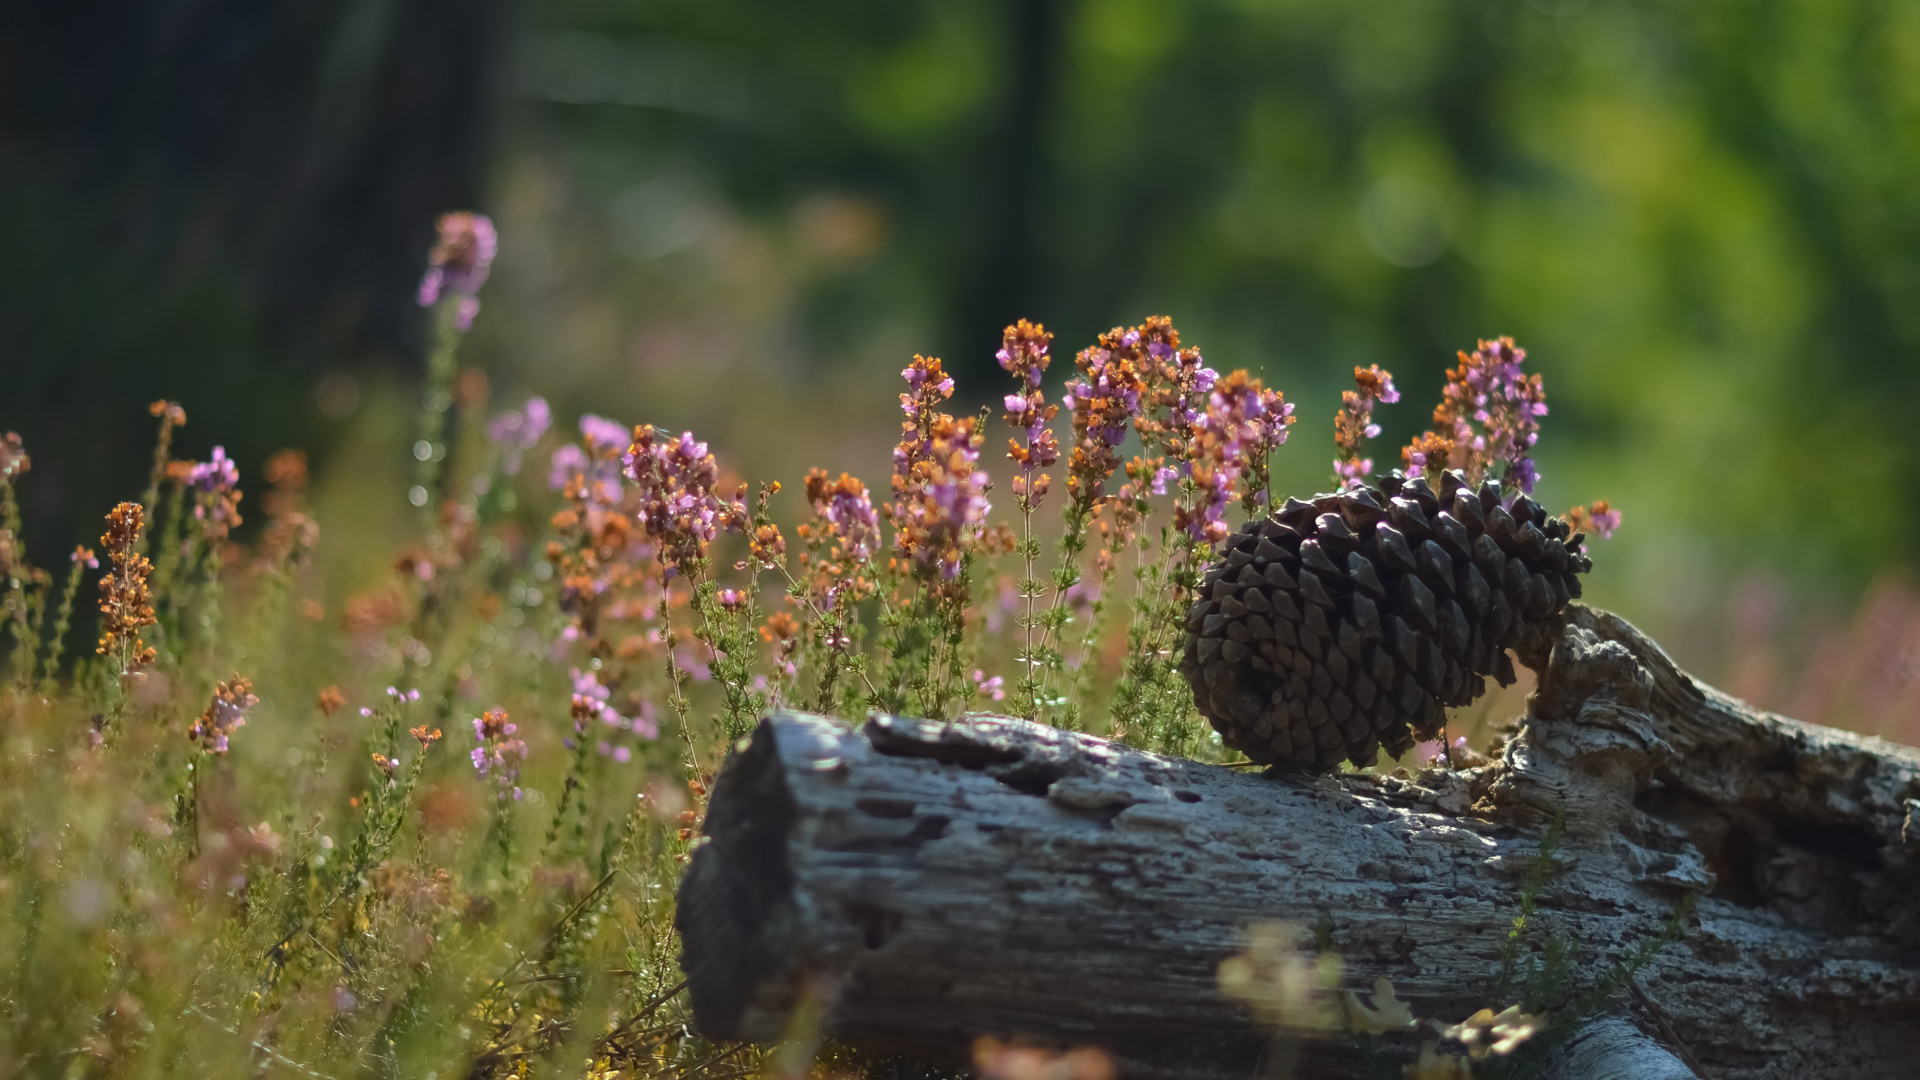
x,y
742,216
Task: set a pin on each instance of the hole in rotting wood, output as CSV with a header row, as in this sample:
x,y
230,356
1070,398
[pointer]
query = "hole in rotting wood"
x,y
1762,856
931,827
894,809
1027,776
1187,796
876,923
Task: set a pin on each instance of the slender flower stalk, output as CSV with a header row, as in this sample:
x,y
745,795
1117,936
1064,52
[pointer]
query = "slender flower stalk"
x,y
81,561
938,513
126,605
1023,353
842,539
682,513
216,513
1213,438
171,417
457,267
1103,400
224,715
15,573
498,752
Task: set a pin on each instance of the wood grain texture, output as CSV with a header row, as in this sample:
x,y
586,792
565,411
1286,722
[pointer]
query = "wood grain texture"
x,y
990,875
1612,1049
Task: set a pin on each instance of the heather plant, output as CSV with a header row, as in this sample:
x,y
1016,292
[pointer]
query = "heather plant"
x,y
433,822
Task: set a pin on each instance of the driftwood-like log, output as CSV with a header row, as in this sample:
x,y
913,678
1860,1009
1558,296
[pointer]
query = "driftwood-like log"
x,y
991,876
1612,1049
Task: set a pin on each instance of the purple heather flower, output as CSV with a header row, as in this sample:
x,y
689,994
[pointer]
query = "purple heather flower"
x,y
598,465
517,430
1489,415
568,462
847,509
226,714
499,754
592,701
993,688
1524,473
1024,354
459,264
217,497
1353,424
1605,521
216,473
678,505
603,434
1214,488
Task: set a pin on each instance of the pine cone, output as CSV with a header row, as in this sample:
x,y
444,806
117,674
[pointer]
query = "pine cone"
x,y
1350,623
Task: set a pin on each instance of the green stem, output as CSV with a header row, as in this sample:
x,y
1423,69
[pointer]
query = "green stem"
x,y
1065,576
676,679
150,498
1029,702
434,402
62,619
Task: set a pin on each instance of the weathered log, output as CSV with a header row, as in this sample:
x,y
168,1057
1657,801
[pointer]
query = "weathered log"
x,y
991,876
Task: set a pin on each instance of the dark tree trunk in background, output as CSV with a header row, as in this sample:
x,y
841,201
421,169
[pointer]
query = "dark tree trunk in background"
x,y
1009,275
992,876
208,201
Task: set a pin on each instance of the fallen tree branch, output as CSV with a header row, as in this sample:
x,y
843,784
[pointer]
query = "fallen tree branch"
x,y
991,876
1612,1049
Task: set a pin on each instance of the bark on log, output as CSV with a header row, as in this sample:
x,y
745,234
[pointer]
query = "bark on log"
x,y
1612,1049
990,876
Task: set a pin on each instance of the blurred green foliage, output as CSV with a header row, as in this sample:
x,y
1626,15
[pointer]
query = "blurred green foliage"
x,y
1698,218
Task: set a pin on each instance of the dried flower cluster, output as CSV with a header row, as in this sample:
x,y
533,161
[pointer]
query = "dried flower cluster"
x,y
126,605
290,533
